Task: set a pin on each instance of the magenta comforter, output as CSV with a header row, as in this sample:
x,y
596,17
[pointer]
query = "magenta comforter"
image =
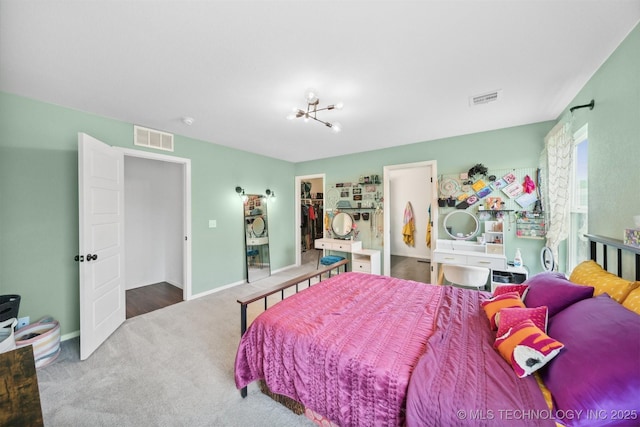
x,y
347,347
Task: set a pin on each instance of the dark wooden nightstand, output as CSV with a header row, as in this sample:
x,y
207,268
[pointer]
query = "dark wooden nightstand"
x,y
19,394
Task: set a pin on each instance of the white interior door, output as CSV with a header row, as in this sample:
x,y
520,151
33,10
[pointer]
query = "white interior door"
x,y
101,212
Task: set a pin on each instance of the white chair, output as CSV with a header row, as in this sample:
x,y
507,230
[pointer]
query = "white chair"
x,y
466,275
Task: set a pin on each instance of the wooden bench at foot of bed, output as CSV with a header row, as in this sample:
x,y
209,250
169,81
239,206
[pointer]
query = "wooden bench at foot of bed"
x,y
244,302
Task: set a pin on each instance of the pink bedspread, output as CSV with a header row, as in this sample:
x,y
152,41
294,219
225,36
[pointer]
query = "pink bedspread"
x,y
346,353
367,350
462,381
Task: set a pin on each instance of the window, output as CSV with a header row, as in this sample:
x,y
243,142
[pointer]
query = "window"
x,y
577,244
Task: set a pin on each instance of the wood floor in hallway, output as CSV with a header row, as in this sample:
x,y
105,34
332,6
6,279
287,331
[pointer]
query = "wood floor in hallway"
x,y
416,269
152,297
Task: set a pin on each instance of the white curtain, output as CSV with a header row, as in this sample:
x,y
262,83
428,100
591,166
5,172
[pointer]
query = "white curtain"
x,y
556,164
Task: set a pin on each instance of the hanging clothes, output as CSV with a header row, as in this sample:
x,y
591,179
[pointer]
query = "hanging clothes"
x,y
429,228
305,227
409,226
319,223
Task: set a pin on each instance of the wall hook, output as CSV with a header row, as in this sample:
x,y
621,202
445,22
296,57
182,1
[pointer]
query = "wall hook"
x,y
590,105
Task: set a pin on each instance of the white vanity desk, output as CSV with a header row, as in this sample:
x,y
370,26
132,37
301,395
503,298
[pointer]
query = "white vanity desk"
x,y
471,253
467,253
363,260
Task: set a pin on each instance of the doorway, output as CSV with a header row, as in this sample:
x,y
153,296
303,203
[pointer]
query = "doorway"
x,y
157,221
102,236
410,186
309,217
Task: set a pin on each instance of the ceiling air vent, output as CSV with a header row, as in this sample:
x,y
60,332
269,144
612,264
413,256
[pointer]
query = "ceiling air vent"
x,y
151,138
485,98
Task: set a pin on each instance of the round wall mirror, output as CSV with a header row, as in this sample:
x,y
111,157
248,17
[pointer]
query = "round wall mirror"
x,y
461,225
258,226
342,225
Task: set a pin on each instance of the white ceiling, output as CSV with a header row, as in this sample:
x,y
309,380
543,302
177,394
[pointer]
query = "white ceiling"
x,y
404,70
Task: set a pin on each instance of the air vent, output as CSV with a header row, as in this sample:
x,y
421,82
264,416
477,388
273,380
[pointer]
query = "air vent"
x,y
485,98
152,138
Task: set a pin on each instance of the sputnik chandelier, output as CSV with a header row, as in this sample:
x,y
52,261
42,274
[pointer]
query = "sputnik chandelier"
x,y
311,96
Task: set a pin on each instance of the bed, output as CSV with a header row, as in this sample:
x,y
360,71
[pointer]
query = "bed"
x,y
368,350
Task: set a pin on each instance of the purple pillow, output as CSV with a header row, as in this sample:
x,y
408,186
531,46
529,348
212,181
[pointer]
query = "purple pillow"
x,y
598,371
555,291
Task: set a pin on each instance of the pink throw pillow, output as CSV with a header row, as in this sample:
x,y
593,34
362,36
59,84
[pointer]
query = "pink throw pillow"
x,y
510,317
503,289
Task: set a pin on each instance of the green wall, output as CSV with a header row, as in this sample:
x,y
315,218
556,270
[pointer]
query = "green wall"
x,y
39,205
614,139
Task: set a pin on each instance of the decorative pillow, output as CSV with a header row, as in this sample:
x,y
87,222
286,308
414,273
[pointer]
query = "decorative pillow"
x,y
632,301
503,289
493,305
555,291
600,361
527,348
510,317
591,274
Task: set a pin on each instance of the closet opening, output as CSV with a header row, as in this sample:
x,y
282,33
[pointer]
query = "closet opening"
x,y
309,218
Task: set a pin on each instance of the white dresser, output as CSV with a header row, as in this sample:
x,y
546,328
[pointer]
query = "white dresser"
x,y
363,260
366,261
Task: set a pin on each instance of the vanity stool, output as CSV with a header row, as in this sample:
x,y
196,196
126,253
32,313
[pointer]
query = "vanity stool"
x,y
328,260
466,275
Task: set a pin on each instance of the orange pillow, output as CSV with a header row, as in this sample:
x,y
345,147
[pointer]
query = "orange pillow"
x,y
527,348
589,273
493,305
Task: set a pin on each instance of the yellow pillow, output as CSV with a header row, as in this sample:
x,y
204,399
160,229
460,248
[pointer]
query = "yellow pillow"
x,y
589,273
632,301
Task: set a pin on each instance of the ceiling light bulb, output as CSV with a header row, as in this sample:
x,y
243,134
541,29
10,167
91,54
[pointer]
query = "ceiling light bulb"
x,y
338,106
311,96
336,127
291,116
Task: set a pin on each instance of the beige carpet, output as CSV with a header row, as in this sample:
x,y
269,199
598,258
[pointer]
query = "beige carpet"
x,y
170,367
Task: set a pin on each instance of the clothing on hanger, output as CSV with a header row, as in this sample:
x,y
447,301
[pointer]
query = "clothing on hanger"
x,y
409,227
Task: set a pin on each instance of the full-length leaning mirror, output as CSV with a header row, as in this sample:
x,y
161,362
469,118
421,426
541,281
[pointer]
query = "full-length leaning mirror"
x,y
256,237
461,225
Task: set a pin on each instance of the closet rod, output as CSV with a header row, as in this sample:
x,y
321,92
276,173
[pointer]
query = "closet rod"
x,y
590,105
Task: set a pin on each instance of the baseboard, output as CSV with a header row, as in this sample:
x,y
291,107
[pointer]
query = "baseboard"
x,y
280,270
176,284
214,290
142,285
70,335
